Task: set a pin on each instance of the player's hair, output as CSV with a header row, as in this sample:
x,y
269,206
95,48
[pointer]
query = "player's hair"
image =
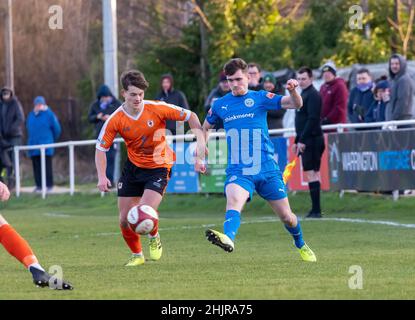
x,y
233,65
306,70
133,78
363,70
254,65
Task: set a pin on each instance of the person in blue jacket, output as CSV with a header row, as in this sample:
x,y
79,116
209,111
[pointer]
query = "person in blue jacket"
x,y
43,128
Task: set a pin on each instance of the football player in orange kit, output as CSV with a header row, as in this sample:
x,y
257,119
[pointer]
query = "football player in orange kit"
x,y
142,125
20,249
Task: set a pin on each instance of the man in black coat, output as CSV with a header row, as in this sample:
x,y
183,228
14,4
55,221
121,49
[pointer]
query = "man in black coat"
x,y
169,94
11,130
99,111
309,141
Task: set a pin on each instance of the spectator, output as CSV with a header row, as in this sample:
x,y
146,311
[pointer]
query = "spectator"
x,y
334,96
173,96
309,140
42,128
222,89
254,72
11,130
402,89
99,111
274,118
361,97
376,112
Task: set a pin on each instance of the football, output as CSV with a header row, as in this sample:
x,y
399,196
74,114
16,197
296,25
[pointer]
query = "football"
x,y
142,219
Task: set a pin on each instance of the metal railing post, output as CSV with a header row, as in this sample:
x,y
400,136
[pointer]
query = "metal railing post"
x,y
43,170
71,169
17,170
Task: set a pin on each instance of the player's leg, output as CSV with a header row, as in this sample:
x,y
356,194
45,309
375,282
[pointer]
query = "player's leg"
x,y
156,181
18,247
271,187
153,199
236,197
131,238
292,224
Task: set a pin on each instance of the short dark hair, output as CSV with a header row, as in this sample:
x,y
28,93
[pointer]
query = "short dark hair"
x,y
306,70
254,65
233,65
363,70
133,78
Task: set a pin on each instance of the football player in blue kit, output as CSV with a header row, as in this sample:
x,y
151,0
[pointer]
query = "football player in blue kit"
x,y
251,165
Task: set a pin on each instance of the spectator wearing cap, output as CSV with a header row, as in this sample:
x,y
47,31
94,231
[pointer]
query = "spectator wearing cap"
x,y
381,92
254,75
219,91
42,128
334,96
11,131
361,97
169,94
274,117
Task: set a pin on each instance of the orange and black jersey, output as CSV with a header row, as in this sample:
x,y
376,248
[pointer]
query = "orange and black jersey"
x,y
145,134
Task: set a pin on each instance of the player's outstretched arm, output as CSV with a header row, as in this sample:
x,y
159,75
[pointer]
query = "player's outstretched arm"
x,y
4,192
201,150
294,100
101,164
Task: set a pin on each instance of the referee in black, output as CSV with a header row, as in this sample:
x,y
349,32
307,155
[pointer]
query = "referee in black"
x,y
309,141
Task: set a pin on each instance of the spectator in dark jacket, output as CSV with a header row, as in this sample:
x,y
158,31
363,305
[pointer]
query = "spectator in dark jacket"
x,y
361,97
100,110
222,89
274,117
376,112
169,94
11,129
402,90
334,95
42,128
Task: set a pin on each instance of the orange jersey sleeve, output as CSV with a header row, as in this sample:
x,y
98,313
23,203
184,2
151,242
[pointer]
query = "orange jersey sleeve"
x,y
169,111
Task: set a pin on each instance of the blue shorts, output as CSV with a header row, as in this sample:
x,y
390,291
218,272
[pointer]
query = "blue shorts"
x,y
269,185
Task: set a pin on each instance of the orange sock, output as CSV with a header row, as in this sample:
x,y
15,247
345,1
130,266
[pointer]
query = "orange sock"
x,y
132,239
16,245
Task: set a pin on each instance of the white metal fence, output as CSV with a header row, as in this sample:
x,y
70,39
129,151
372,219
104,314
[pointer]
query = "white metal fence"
x,y
390,125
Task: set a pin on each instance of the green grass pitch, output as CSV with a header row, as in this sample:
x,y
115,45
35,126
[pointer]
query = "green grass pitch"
x,y
81,235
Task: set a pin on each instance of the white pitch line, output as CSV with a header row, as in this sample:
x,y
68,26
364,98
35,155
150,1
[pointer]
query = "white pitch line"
x,y
271,219
380,222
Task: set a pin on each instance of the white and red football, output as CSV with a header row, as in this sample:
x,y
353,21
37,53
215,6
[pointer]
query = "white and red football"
x,y
143,219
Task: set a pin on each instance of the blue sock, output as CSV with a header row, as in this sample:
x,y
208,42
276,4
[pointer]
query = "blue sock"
x,y
297,234
232,223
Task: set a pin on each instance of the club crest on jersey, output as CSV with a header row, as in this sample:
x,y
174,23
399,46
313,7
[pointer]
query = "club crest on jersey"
x,y
249,102
270,95
150,123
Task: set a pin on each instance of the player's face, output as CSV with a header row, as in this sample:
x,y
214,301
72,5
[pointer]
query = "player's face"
x,y
238,83
304,81
133,97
